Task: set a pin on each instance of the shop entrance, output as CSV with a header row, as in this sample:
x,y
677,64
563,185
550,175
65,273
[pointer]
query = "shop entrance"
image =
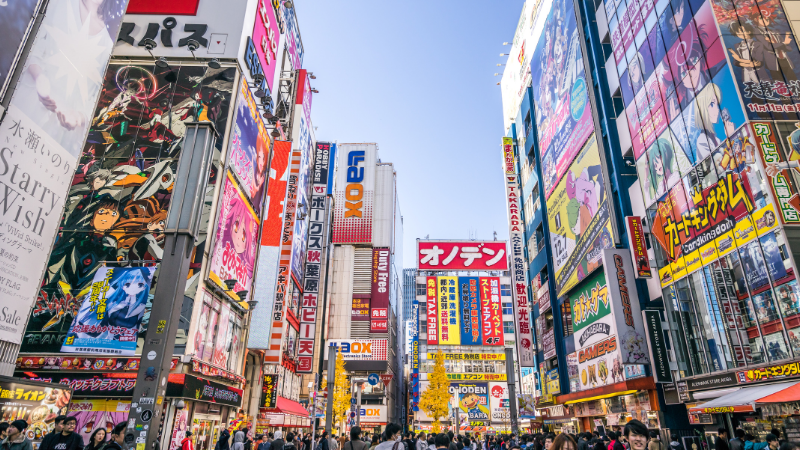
x,y
206,429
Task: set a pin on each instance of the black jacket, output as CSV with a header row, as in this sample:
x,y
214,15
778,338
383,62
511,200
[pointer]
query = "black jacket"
x,y
224,441
72,442
47,441
112,445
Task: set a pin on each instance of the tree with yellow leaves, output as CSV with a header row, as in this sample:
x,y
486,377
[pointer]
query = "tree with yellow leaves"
x,y
341,392
436,398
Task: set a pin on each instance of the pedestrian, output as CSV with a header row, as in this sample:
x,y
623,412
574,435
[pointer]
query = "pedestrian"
x,y
248,443
68,439
790,446
459,443
772,442
391,438
674,444
3,430
97,441
333,443
737,443
655,442
442,441
548,441
452,445
238,440
223,443
15,437
751,444
324,444
186,443
264,444
277,443
563,442
636,434
777,434
422,441
431,441
307,442
583,441
355,442
290,444
48,439
117,436
721,443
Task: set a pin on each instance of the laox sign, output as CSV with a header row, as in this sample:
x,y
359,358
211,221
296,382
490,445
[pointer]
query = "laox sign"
x,y
354,190
355,347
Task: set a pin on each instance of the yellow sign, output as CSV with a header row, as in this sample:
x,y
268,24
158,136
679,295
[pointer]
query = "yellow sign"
x,y
477,377
693,261
472,356
447,295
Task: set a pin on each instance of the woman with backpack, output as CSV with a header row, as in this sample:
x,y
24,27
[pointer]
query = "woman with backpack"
x,y
355,442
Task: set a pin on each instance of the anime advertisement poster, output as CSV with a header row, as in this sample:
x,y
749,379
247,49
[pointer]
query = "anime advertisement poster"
x,y
305,145
473,400
249,148
579,218
14,20
600,364
108,320
563,111
764,56
778,171
95,414
117,205
470,311
235,244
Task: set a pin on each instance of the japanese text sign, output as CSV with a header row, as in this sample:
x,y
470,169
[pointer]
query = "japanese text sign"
x,y
33,397
447,291
491,313
470,311
638,249
433,311
461,255
379,307
269,391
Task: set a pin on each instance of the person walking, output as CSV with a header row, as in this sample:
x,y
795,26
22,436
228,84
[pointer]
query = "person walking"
x,y
223,443
355,442
97,441
186,443
737,443
117,436
721,443
422,441
15,437
655,442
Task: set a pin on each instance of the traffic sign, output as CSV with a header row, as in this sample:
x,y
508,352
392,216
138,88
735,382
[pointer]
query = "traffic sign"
x,y
352,401
352,414
373,379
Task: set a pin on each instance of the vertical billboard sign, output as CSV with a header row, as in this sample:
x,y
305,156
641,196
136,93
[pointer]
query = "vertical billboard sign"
x,y
108,321
273,353
777,171
638,249
470,311
379,303
449,330
355,188
659,355
432,311
249,148
268,255
491,313
560,93
578,213
315,259
43,131
414,355
304,143
266,36
519,264
625,306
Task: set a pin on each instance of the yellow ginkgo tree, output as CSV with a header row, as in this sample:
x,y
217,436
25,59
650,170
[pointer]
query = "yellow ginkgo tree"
x,y
341,392
436,398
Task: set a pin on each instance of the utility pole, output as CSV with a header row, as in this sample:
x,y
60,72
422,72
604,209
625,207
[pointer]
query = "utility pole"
x,y
512,391
183,223
331,383
358,403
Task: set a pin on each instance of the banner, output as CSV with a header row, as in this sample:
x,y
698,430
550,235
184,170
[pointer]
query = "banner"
x,y
470,311
563,111
360,309
33,403
578,213
269,391
449,329
104,414
414,380
625,306
656,340
179,428
600,364
473,399
360,349
499,404
379,303
235,244
109,317
638,248
491,311
249,148
432,311
780,179
303,142
590,306
462,255
269,253
472,356
355,189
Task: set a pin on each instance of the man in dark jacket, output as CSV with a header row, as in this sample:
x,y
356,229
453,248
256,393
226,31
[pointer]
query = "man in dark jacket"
x,y
452,445
49,438
722,439
737,443
583,443
278,443
68,439
117,437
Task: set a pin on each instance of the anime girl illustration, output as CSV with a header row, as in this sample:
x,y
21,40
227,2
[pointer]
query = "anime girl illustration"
x,y
707,114
132,243
663,172
586,193
235,248
260,175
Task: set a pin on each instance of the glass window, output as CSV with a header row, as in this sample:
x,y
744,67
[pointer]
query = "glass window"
x,y
508,309
695,343
421,289
505,290
508,327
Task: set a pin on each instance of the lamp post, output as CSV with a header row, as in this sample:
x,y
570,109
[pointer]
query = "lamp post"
x,y
183,226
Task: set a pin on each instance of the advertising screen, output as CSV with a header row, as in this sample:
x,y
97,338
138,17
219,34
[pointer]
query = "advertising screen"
x,y
558,79
473,400
432,310
379,303
579,218
355,189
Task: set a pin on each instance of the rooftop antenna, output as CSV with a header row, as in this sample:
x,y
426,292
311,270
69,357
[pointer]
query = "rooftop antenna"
x,y
427,236
495,235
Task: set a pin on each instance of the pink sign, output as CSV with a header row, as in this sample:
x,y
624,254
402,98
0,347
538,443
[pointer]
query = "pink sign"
x,y
461,255
265,37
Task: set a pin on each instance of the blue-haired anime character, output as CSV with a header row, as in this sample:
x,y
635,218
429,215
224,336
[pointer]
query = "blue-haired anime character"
x,y
125,307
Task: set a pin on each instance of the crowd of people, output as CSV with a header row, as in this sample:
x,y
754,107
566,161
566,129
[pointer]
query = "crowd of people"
x,y
635,436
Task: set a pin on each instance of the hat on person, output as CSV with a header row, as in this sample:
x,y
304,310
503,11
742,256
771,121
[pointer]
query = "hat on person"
x,y
19,424
188,433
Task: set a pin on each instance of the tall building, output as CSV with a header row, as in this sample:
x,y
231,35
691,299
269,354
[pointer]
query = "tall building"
x,y
408,291
364,287
654,144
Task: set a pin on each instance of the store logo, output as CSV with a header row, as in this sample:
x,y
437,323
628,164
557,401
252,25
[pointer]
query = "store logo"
x,y
588,307
354,191
597,350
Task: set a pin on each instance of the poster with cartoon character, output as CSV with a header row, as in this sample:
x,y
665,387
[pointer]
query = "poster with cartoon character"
x,y
117,205
563,112
109,317
625,306
579,218
236,239
98,416
473,400
249,148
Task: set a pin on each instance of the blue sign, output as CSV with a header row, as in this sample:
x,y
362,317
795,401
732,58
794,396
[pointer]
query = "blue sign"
x,y
374,379
353,401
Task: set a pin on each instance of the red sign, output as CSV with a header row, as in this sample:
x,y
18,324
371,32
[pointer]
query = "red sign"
x,y
176,7
638,249
386,378
379,304
378,326
462,255
491,312
433,311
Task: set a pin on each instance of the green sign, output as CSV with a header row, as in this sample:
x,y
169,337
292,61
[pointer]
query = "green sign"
x,y
589,301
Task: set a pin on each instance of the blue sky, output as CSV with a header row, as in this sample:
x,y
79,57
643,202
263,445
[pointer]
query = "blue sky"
x,y
417,78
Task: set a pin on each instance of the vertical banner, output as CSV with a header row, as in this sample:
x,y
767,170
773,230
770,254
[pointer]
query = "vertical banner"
x,y
519,264
777,172
315,258
432,311
491,312
42,134
379,303
249,147
273,354
108,321
470,311
625,306
659,355
178,429
414,355
449,333
638,249
269,391
360,310
268,255
355,188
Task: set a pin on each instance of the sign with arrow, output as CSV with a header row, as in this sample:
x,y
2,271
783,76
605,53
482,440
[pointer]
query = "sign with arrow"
x,y
373,379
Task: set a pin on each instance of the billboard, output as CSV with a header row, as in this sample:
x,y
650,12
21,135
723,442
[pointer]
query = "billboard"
x,y
294,45
269,391
303,143
355,189
361,349
236,240
269,253
470,311
625,306
499,404
560,93
462,255
360,310
578,213
414,380
120,193
266,37
447,293
432,308
781,183
633,224
591,310
109,317
491,311
96,414
379,303
473,400
249,148
600,364
45,128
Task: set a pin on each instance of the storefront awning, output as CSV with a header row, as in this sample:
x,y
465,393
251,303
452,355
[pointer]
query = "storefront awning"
x,y
742,400
291,407
790,394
